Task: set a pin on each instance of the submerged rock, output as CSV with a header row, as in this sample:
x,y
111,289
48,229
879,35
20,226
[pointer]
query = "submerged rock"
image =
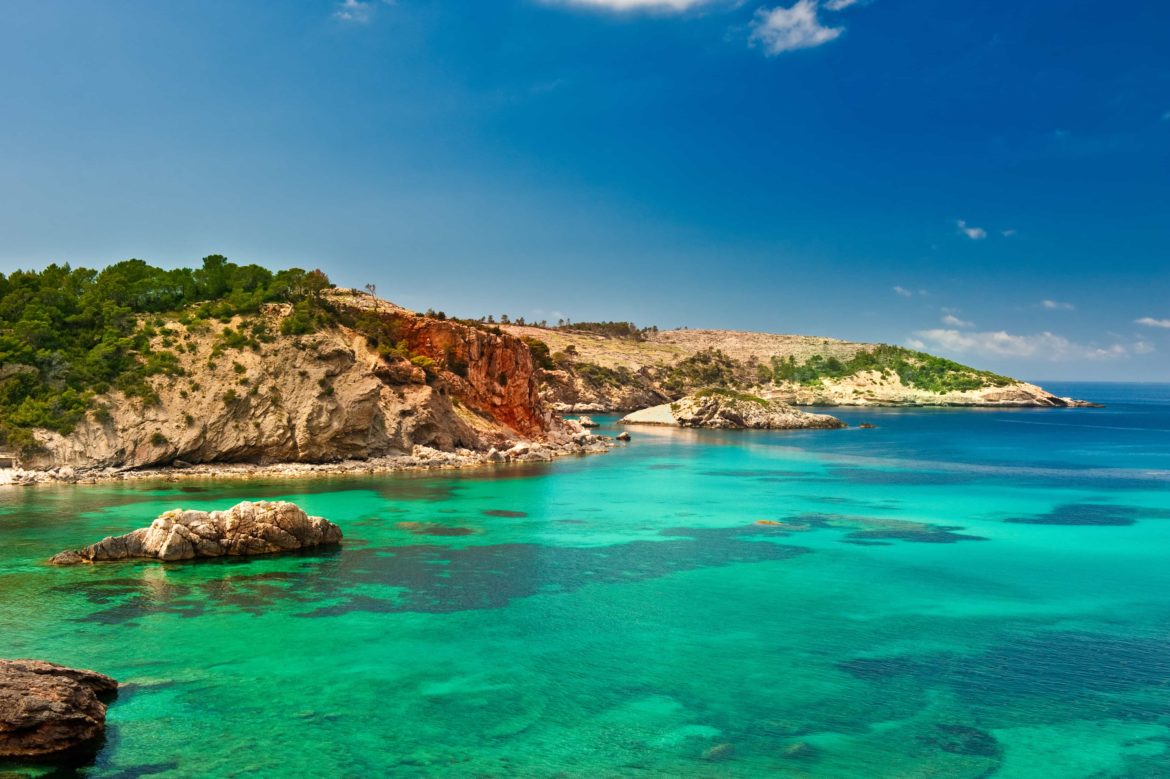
x,y
47,709
723,751
799,750
245,529
730,410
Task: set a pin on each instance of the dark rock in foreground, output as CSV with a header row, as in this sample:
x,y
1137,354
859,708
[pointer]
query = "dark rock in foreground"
x,y
245,529
47,709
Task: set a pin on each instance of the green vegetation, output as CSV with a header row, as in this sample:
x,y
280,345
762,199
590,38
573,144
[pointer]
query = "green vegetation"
x,y
598,374
720,392
541,354
709,368
68,334
915,369
608,329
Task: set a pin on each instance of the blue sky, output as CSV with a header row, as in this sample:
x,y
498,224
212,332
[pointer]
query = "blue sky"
x,y
989,181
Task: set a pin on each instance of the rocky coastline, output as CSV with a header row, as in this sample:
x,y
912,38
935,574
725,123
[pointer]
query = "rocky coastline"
x,y
421,458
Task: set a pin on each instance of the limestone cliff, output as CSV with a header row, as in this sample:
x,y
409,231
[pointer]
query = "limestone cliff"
x,y
377,380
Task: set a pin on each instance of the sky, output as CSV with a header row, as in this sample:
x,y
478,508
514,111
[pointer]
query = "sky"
x,y
987,181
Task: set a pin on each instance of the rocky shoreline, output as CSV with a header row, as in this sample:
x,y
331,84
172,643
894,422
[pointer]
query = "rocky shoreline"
x,y
421,458
727,410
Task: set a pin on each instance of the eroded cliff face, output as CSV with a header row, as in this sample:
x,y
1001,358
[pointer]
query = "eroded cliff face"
x,y
331,395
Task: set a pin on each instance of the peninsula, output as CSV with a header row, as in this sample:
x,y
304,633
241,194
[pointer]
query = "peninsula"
x,y
233,369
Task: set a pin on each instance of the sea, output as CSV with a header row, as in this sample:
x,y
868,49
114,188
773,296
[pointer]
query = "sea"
x,y
952,593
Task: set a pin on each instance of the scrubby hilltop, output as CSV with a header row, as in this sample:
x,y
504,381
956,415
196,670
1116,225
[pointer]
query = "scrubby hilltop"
x,y
611,366
139,366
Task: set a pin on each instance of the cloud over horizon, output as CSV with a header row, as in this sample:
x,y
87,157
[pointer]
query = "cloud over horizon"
x,y
1150,321
1000,343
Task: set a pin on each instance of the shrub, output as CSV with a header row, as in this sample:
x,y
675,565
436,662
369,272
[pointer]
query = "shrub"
x,y
540,353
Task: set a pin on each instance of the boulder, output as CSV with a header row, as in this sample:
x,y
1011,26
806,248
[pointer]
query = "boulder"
x,y
585,421
623,436
48,709
245,529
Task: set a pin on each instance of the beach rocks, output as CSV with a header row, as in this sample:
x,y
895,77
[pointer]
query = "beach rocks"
x,y
245,529
623,436
586,422
47,709
725,409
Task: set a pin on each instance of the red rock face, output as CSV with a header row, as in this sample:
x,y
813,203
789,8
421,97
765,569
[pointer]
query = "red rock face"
x,y
489,373
500,376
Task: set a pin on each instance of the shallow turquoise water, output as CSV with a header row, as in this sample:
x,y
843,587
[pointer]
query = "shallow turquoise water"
x,y
953,594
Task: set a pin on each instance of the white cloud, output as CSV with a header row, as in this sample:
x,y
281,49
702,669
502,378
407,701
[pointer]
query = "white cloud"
x,y
953,321
787,29
1056,305
637,5
354,11
1149,321
974,233
837,5
358,11
1008,233
906,293
1000,343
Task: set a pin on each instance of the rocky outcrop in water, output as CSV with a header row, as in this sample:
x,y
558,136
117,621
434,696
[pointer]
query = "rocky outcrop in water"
x,y
730,411
245,529
47,709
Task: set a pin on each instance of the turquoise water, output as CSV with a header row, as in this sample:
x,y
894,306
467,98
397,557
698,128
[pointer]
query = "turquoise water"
x,y
954,594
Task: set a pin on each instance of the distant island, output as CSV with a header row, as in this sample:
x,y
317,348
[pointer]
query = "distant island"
x,y
138,367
